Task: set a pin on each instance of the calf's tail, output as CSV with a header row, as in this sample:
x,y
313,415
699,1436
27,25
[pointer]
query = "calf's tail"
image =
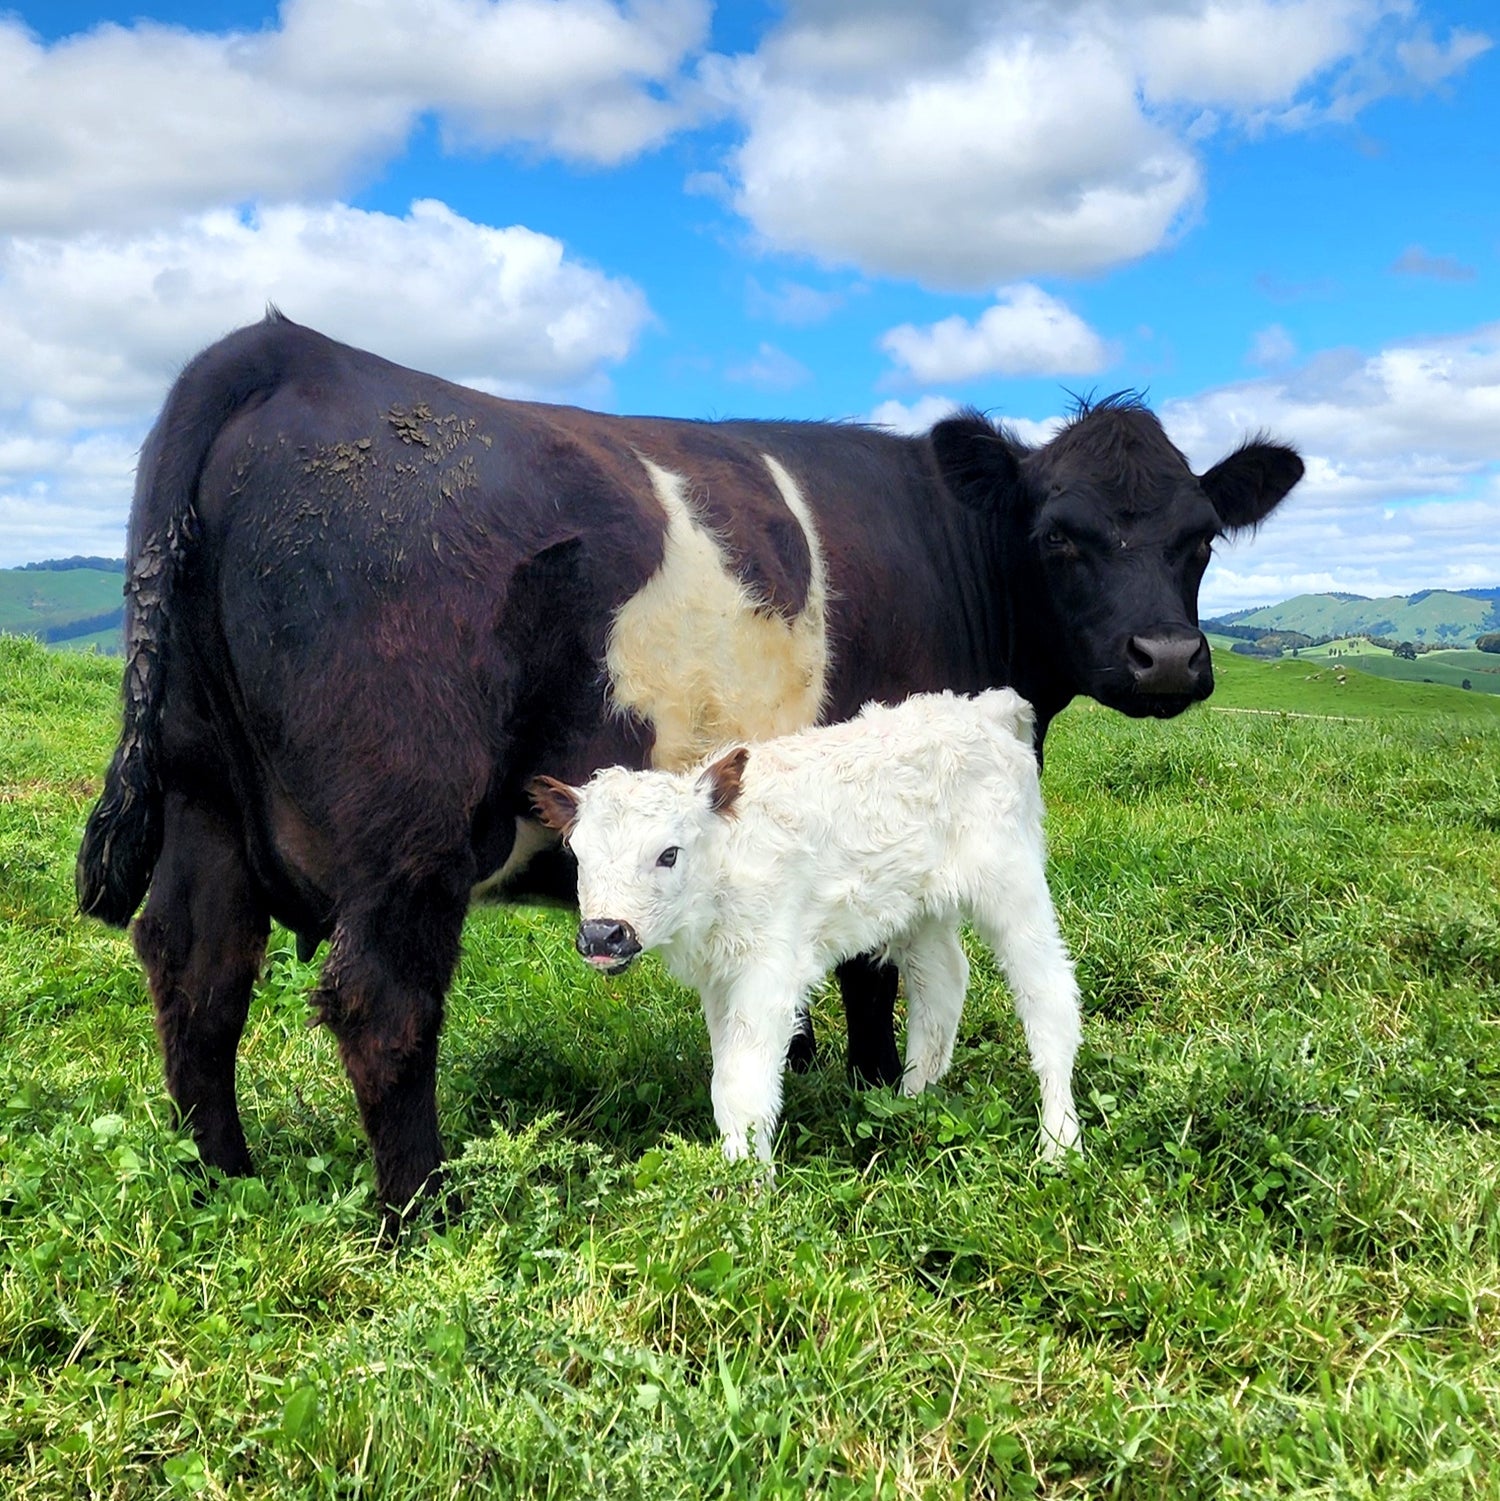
x,y
123,836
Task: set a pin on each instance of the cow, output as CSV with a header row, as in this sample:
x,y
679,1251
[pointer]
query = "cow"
x,y
365,606
755,873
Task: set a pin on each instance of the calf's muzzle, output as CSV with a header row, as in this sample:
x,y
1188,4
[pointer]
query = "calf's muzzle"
x,y
607,944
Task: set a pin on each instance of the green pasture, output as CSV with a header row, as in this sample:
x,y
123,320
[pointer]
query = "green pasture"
x,y
1274,1272
33,600
1354,686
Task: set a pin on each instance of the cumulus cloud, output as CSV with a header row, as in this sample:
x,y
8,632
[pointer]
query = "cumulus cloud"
x,y
96,328
118,125
913,417
1271,346
770,368
981,172
1414,261
1402,447
1403,470
1026,332
791,302
963,144
1241,54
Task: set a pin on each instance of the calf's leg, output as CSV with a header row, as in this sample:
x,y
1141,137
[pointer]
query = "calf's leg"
x,y
750,1022
1017,919
937,977
202,939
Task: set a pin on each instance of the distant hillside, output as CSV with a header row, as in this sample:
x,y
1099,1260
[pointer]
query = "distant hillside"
x,y
63,601
1436,616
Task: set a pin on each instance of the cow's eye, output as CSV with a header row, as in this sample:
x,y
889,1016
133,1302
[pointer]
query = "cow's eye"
x,y
668,857
1058,542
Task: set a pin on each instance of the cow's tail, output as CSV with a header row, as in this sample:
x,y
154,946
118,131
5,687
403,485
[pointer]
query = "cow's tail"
x,y
123,837
1007,710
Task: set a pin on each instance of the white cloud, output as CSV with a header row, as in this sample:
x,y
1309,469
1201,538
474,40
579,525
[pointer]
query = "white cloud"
x,y
1415,261
980,172
95,327
63,497
963,144
1244,53
1402,490
770,368
1432,407
1272,346
118,126
1402,448
913,417
1026,332
791,302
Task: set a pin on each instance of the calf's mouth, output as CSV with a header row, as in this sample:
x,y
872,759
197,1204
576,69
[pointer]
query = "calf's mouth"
x,y
606,944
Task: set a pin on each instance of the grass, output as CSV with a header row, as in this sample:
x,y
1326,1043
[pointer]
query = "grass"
x,y
1275,1272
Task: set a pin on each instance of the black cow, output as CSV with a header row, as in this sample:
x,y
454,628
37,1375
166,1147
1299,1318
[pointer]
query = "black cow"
x,y
365,607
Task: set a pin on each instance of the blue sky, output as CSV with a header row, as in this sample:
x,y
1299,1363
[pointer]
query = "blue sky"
x,y
1268,214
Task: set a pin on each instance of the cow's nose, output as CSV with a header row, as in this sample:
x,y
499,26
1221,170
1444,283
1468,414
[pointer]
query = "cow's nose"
x,y
607,944
1171,661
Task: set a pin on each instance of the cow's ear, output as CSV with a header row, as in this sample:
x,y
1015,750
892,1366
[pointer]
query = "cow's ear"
x,y
1247,486
721,781
555,802
978,463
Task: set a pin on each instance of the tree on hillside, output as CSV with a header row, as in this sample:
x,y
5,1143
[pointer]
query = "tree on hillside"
x,y
1490,641
1405,650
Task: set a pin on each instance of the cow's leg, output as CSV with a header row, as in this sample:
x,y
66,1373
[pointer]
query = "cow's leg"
x,y
382,992
802,1051
869,991
1019,922
202,938
936,971
750,1022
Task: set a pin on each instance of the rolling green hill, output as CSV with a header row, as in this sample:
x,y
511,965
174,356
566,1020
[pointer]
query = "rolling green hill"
x,y
1332,688
1432,615
62,606
1480,670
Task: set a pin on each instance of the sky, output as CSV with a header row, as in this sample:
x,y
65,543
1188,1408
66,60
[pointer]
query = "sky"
x,y
1276,216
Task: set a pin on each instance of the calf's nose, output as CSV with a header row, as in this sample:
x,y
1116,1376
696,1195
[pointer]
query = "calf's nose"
x,y
607,943
1168,661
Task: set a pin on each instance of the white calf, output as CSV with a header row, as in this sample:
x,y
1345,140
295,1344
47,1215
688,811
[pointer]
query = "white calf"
x,y
754,874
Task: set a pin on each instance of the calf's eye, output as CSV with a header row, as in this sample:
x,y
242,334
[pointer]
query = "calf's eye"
x,y
668,857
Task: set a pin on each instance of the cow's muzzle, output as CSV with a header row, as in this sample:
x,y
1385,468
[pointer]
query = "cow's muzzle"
x,y
606,944
1170,664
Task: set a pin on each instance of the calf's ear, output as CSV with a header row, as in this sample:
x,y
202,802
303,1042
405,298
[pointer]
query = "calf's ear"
x,y
977,462
555,802
721,781
1247,486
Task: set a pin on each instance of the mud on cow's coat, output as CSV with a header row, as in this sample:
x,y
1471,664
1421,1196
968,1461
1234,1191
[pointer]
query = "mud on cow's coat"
x,y
365,606
757,873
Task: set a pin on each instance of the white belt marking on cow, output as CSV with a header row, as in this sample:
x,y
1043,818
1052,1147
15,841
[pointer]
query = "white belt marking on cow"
x,y
697,654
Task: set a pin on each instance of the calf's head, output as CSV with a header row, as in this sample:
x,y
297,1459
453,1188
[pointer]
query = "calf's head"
x,y
639,838
1103,535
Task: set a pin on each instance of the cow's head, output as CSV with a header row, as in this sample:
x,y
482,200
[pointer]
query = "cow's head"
x,y
1104,534
640,839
